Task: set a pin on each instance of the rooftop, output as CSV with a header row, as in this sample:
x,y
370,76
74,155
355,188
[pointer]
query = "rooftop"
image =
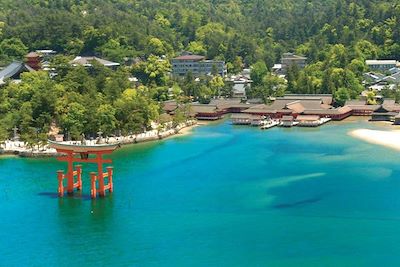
x,y
224,103
32,54
13,69
390,105
277,66
326,98
292,56
355,103
380,62
190,57
203,108
360,105
169,105
87,61
296,107
46,51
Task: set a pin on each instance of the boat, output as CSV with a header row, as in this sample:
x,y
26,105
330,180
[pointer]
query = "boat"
x,y
312,121
79,148
288,124
269,124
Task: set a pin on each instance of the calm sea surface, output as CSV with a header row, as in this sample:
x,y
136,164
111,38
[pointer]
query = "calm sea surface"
x,y
223,196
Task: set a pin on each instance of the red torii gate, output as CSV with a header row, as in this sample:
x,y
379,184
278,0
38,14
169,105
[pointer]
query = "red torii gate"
x,y
80,153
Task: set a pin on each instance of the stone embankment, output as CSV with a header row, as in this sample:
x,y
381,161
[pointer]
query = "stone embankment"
x,y
21,149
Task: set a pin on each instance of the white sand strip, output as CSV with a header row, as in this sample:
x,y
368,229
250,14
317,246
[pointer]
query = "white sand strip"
x,y
389,139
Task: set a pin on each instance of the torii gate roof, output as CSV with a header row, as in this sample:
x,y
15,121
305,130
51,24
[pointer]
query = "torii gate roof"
x,y
78,148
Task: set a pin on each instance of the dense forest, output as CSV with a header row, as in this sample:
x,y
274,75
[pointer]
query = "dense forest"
x,y
335,35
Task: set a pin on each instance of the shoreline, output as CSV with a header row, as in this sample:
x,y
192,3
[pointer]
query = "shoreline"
x,y
183,132
389,139
18,149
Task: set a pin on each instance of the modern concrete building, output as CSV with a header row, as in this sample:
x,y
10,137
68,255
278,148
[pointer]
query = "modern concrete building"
x,y
196,64
290,59
381,65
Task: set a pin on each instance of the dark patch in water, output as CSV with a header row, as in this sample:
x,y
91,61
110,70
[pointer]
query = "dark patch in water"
x,y
225,144
48,194
192,158
298,203
55,195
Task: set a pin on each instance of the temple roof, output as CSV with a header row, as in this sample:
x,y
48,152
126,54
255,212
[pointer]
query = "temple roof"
x,y
86,61
325,98
32,54
169,105
13,69
203,108
296,107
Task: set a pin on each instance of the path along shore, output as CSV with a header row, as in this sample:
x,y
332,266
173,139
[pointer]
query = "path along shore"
x,y
20,148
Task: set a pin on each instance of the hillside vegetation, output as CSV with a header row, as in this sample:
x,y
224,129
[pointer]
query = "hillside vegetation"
x,y
336,36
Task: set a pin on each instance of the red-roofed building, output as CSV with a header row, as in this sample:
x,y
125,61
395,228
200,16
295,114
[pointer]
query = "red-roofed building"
x,y
295,105
33,60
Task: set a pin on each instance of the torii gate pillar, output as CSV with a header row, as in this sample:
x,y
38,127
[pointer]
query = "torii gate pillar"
x,y
81,153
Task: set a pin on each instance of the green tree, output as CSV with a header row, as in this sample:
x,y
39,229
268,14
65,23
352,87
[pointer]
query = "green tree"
x,y
153,71
342,95
106,120
113,50
12,49
237,65
72,119
216,84
258,71
366,50
156,47
371,98
196,48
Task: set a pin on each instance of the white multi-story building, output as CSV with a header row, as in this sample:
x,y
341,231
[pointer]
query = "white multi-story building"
x,y
196,64
381,65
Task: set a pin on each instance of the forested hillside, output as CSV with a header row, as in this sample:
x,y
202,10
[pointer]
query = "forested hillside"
x,y
252,29
336,36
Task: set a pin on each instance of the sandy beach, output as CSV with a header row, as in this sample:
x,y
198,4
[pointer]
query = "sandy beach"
x,y
390,139
186,130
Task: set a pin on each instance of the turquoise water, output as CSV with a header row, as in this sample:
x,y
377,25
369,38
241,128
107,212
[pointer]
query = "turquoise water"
x,y
223,196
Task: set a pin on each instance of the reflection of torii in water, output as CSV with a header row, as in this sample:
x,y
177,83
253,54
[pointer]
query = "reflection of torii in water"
x,y
80,153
